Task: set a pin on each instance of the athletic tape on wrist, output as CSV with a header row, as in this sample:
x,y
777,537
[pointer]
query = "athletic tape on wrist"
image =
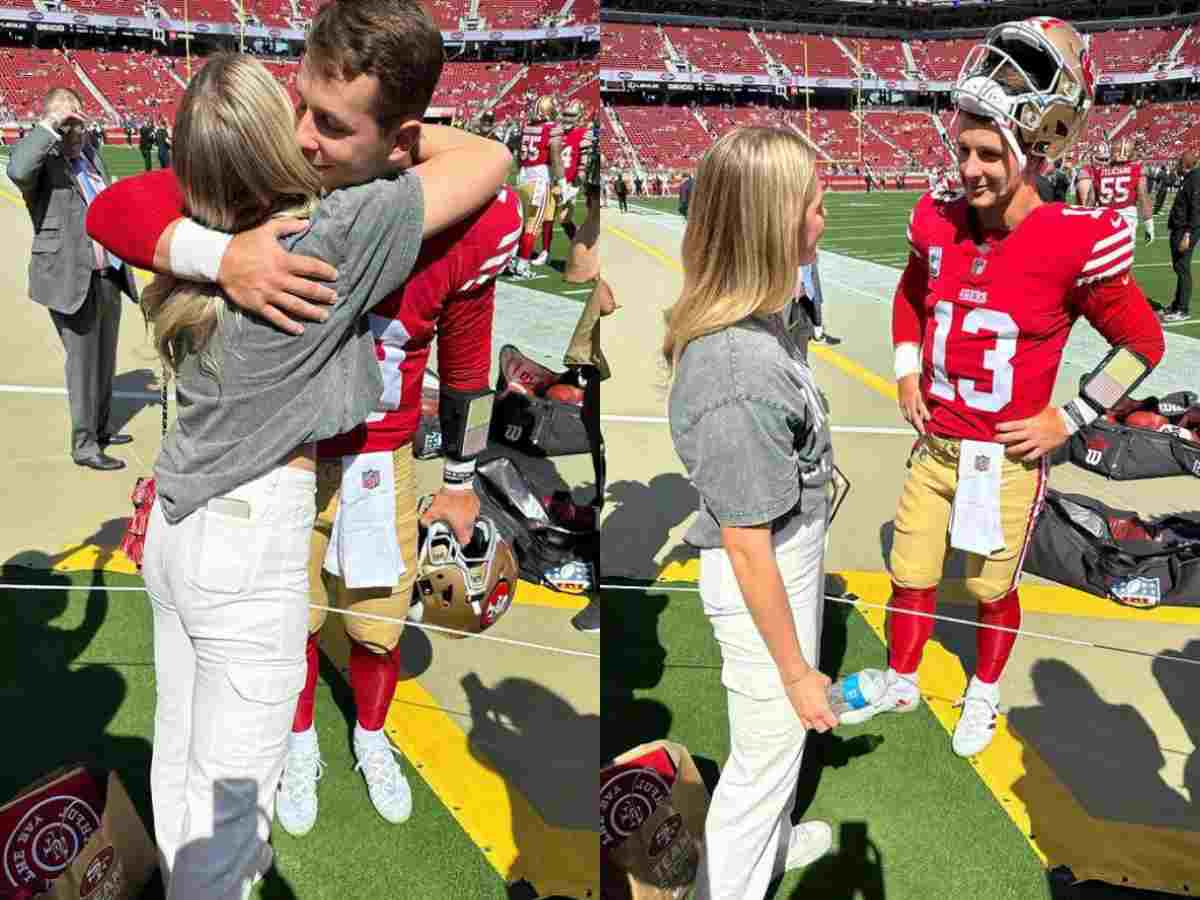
x,y
458,475
908,360
196,251
1077,414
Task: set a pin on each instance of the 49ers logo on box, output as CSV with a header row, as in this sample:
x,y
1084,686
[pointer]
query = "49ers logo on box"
x,y
627,800
97,870
47,839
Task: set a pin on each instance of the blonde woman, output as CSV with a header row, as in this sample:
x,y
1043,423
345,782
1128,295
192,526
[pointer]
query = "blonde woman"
x,y
752,429
226,557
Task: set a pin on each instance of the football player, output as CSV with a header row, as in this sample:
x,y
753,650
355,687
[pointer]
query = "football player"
x,y
541,166
577,141
980,319
1119,183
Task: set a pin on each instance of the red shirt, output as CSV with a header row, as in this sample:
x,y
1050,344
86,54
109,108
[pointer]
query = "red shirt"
x,y
535,143
1115,186
992,321
574,142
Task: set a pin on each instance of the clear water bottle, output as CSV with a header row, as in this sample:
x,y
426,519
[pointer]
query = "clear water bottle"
x,y
854,692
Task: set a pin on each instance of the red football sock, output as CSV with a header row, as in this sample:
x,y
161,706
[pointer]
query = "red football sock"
x,y
907,634
525,248
373,678
303,719
993,647
547,235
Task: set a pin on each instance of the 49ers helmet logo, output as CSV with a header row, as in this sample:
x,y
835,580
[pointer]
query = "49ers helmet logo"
x,y
47,839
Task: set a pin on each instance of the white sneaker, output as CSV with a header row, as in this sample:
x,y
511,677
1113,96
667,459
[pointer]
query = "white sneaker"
x,y
977,725
386,784
296,803
808,842
541,258
902,695
266,857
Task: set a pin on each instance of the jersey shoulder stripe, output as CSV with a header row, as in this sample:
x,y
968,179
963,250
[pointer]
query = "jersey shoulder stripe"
x,y
1109,244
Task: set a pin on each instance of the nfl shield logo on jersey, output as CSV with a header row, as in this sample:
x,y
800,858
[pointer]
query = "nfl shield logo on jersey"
x,y
981,463
935,261
977,266
370,479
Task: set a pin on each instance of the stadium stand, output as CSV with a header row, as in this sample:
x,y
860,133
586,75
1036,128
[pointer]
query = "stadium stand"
x,y
1189,53
884,58
824,56
717,50
940,60
631,47
665,136
137,85
1132,50
517,13
448,13
26,75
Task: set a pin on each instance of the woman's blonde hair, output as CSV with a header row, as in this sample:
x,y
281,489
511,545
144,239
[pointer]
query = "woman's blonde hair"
x,y
742,247
238,164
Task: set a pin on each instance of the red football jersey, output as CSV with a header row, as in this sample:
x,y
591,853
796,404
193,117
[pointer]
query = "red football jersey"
x,y
1115,186
451,294
992,319
535,143
574,142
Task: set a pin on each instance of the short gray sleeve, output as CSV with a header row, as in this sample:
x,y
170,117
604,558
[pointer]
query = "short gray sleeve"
x,y
745,463
383,222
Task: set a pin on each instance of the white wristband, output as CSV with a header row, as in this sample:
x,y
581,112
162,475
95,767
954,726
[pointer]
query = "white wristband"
x,y
458,476
908,360
196,251
1077,414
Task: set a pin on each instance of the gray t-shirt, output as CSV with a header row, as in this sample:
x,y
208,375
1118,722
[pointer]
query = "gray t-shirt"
x,y
276,391
752,428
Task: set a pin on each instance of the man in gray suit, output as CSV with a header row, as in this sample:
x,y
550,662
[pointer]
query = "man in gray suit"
x,y
59,175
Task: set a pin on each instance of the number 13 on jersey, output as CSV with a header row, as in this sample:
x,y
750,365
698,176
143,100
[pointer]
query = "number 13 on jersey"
x,y
997,359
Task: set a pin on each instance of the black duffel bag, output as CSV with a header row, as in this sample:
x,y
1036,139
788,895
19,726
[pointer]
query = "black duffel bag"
x,y
1113,553
525,419
549,553
1124,453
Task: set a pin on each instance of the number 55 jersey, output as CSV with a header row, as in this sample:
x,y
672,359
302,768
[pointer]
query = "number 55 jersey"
x,y
991,319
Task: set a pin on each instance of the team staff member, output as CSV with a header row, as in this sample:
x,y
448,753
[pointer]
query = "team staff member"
x,y
980,319
59,178
752,429
1184,226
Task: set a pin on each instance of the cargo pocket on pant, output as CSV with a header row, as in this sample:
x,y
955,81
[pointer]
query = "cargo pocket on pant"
x,y
269,691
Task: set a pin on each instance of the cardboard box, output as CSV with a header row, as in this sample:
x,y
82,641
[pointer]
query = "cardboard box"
x,y
76,835
652,809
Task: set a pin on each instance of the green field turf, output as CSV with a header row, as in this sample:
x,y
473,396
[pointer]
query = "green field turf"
x,y
915,821
124,161
912,821
79,688
872,226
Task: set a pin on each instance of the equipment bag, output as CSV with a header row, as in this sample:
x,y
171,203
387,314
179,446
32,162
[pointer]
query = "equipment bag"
x,y
1125,452
561,555
526,419
1113,553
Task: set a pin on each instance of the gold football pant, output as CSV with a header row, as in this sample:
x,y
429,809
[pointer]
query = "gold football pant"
x,y
329,590
922,535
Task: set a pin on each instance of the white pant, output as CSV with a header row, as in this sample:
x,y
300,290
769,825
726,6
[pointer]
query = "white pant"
x,y
749,819
230,601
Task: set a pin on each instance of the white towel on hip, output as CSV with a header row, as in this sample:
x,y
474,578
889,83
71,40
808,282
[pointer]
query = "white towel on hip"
x,y
975,518
364,550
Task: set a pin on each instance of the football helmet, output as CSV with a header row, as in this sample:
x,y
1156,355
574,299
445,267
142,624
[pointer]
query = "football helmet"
x,y
487,119
1103,154
572,114
466,588
1034,79
545,109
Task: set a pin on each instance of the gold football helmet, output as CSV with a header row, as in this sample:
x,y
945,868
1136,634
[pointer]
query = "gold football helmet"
x,y
1125,150
1103,154
545,109
1033,78
466,588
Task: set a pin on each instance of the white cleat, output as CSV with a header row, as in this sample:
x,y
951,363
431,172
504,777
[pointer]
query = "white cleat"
x,y
296,804
902,695
808,842
386,784
542,258
977,725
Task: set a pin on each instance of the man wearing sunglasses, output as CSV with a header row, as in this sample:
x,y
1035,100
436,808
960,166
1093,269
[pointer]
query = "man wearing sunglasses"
x,y
59,173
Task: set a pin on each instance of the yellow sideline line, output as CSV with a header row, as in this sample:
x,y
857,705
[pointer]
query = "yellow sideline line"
x,y
873,381
1148,857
